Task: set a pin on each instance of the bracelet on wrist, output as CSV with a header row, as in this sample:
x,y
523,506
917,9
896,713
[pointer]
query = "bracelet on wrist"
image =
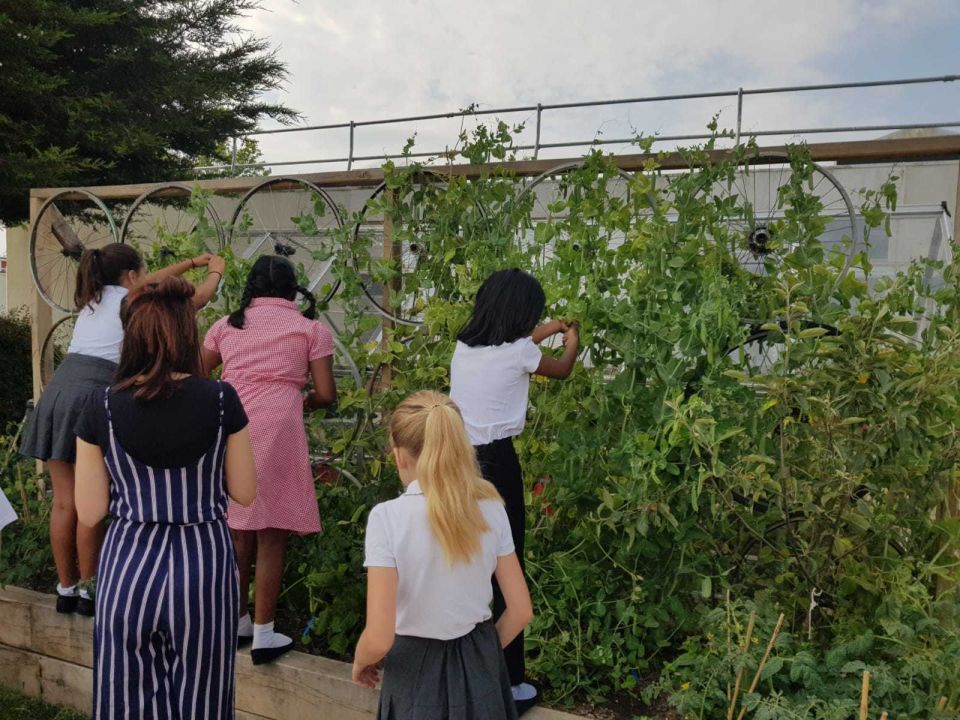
x,y
215,272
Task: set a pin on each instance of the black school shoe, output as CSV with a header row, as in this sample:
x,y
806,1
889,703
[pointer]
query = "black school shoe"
x,y
85,606
525,705
244,641
67,604
262,656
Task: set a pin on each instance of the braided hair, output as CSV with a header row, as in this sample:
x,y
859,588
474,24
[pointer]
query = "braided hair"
x,y
272,276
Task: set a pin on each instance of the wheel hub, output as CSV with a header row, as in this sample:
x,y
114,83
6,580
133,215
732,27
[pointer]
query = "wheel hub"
x,y
759,241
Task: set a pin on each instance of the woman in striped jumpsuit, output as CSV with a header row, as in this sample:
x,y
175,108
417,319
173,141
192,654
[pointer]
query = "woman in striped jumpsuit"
x,y
160,451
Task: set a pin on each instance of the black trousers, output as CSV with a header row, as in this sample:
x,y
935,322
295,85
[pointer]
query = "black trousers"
x,y
499,464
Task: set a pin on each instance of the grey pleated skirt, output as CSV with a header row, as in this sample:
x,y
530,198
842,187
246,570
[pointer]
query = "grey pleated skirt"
x,y
48,434
461,679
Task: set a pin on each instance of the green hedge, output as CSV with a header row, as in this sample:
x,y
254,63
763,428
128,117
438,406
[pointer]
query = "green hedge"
x,y
16,384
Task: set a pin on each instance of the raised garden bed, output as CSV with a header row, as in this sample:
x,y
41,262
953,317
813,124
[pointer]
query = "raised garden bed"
x,y
49,656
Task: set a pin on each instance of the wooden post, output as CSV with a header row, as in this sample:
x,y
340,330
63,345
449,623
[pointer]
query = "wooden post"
x,y
951,503
953,495
23,295
386,377
41,314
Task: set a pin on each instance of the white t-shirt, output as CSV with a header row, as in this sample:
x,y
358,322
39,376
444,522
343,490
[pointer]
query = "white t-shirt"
x,y
98,331
435,599
491,386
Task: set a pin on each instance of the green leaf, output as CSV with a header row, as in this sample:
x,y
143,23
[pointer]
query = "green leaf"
x,y
773,666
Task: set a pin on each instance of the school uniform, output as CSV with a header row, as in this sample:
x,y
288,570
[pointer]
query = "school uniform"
x,y
88,367
491,386
445,663
267,361
167,604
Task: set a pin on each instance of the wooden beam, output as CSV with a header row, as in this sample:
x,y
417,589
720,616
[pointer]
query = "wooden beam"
x,y
62,231
48,655
944,147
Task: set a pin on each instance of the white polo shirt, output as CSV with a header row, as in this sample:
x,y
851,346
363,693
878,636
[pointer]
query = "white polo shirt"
x,y
435,599
98,331
491,386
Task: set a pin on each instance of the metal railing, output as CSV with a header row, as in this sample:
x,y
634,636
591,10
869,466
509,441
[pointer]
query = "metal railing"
x,y
540,108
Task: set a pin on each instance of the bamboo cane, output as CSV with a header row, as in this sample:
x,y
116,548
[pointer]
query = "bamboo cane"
x,y
884,715
763,662
942,705
728,623
865,695
746,646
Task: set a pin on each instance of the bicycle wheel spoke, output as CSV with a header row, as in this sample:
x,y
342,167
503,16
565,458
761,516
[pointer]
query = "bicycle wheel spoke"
x,y
270,219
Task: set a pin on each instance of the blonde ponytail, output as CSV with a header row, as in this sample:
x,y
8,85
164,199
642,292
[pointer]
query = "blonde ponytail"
x,y
428,426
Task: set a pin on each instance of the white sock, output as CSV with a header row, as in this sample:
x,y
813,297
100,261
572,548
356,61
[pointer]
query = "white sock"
x,y
66,591
264,637
523,691
245,626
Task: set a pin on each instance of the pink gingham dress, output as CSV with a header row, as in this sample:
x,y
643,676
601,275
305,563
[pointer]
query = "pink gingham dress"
x,y
268,363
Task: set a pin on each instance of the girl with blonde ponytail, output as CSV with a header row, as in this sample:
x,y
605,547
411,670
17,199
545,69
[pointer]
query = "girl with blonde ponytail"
x,y
430,554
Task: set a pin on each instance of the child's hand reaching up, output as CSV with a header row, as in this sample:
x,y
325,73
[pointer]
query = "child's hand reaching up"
x,y
547,330
571,334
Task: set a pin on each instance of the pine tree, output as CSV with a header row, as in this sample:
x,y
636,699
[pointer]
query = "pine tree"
x,y
118,91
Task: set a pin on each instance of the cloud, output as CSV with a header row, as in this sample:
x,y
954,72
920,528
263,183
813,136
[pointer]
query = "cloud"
x,y
367,59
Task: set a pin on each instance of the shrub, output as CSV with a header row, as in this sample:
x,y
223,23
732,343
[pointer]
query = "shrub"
x,y
16,378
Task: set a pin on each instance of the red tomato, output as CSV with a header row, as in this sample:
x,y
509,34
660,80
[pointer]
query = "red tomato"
x,y
325,474
538,488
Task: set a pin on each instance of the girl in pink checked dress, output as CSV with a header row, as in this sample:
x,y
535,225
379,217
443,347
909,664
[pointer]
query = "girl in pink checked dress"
x,y
267,349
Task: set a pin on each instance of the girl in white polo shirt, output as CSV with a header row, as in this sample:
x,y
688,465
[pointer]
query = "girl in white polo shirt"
x,y
430,555
104,277
490,373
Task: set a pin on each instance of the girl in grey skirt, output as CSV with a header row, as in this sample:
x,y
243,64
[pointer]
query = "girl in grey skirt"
x,y
104,278
430,555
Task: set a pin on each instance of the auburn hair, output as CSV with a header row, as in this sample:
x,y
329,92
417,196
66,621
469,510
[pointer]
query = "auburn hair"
x,y
428,425
100,267
160,338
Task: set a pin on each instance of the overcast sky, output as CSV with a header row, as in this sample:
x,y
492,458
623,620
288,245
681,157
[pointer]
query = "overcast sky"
x,y
365,59
368,59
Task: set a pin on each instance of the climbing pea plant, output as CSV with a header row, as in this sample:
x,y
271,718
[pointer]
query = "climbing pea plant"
x,y
785,437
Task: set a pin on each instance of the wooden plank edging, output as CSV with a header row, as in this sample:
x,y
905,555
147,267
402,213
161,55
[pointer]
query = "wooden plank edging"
x,y
47,655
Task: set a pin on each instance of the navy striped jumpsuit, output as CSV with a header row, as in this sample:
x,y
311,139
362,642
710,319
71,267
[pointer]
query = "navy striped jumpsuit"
x,y
167,599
